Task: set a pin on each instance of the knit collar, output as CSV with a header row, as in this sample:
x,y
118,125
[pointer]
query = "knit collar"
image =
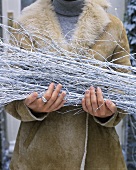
x,y
68,8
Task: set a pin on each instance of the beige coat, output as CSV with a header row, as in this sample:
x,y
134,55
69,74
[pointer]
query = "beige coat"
x,y
56,141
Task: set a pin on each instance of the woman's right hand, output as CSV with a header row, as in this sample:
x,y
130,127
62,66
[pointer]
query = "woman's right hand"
x,y
55,100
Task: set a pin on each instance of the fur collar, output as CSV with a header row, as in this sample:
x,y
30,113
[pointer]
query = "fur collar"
x,y
91,23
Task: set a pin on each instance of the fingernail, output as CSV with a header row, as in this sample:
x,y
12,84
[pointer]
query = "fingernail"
x,y
91,88
87,92
98,88
34,94
109,102
64,93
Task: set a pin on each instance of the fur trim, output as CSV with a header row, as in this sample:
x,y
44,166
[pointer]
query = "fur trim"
x,y
91,24
41,16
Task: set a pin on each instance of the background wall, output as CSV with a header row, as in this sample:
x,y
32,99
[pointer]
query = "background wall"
x,y
118,8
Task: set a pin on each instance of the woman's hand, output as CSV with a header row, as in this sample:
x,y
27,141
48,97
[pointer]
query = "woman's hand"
x,y
54,96
94,104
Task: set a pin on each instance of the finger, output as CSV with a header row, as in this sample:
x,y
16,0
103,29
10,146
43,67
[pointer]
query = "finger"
x,y
58,101
49,92
31,98
61,105
93,101
84,106
100,101
111,106
88,102
37,105
54,96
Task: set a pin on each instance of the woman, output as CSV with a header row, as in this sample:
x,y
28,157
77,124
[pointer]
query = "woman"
x,y
46,139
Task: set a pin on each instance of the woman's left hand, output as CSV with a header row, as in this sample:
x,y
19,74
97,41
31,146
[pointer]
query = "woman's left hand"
x,y
94,104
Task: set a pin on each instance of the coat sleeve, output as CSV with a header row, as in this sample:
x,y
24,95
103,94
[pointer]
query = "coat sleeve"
x,y
20,111
17,108
121,56
113,120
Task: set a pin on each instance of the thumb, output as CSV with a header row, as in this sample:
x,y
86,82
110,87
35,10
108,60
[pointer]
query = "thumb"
x,y
31,98
111,106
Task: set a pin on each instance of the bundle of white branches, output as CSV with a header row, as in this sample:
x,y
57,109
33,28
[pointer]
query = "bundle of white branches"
x,y
23,72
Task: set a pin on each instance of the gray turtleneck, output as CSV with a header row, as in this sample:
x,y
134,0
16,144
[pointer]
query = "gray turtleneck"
x,y
68,13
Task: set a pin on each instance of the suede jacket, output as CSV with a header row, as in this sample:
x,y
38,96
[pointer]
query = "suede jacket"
x,y
56,141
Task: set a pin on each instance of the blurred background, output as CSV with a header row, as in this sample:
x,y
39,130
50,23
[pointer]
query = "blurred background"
x,y
123,9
